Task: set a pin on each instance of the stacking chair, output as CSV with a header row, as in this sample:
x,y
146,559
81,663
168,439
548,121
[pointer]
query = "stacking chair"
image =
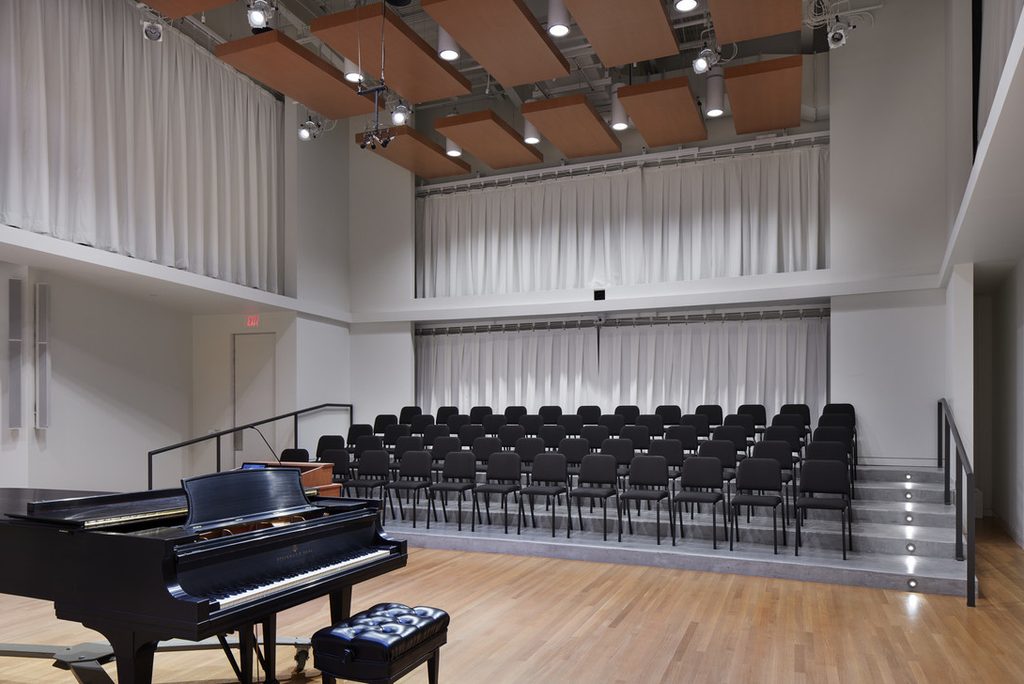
x,y
648,481
825,477
837,434
550,480
420,423
552,435
393,432
638,434
757,412
572,423
595,435
355,431
629,413
744,421
846,420
532,423
712,411
823,450
482,449
794,419
550,414
328,442
613,421
670,414
574,449
294,455
758,475
623,452
701,483
597,480
373,468
407,413
366,443
413,477
653,422
458,477
780,453
339,459
699,422
440,449
672,451
736,434
446,412
788,434
433,432
478,413
513,413
725,452
528,448
802,410
502,478
508,435
589,414
492,423
456,421
686,435
840,408
468,433
403,445
382,421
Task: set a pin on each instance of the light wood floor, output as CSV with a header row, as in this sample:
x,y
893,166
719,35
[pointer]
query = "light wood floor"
x,y
520,619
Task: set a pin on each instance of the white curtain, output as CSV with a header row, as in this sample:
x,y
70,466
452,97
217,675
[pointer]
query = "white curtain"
x,y
998,24
153,150
759,213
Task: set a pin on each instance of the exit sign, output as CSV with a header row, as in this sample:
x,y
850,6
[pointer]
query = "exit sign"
x,y
252,321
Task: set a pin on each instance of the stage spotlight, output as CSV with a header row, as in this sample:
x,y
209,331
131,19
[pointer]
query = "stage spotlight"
x,y
837,33
310,129
706,59
400,114
259,13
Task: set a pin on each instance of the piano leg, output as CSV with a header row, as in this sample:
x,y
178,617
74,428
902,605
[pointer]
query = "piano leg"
x,y
133,654
341,604
270,648
246,648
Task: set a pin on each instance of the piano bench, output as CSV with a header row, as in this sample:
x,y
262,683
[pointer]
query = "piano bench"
x,y
382,644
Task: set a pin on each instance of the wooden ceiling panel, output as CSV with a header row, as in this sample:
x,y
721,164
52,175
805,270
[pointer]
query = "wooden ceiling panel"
x,y
488,138
416,152
176,9
665,112
738,20
503,36
572,125
412,67
279,62
625,32
765,96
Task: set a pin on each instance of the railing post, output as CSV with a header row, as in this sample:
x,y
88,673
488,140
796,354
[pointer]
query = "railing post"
x,y
149,471
218,453
970,540
938,433
947,456
296,430
959,509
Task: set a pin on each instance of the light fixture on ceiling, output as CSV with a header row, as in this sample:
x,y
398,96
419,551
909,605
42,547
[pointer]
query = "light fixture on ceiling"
x,y
352,72
259,13
447,48
714,102
705,59
686,5
620,121
310,129
531,136
400,114
837,32
558,18
451,148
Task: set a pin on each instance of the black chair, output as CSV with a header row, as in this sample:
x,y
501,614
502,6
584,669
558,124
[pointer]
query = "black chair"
x,y
613,421
597,480
295,455
492,423
701,482
532,423
502,478
469,433
792,419
482,449
478,413
508,435
528,448
420,423
802,410
744,421
758,475
572,423
698,422
757,412
595,435
648,481
638,434
788,434
382,421
823,449
670,414
413,477
552,435
440,449
780,453
736,434
513,413
328,442
433,432
840,408
623,452
589,414
574,449
836,434
457,477
712,411
672,451
725,452
825,477
686,435
653,422
456,421
355,431
393,432
407,413
846,420
444,413
403,445
339,459
629,413
366,443
373,467
550,480
550,414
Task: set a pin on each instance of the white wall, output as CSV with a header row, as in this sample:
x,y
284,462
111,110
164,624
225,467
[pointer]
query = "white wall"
x,y
960,352
383,368
321,376
984,394
888,358
1008,411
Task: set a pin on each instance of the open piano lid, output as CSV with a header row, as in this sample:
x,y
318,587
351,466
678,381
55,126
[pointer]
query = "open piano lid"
x,y
244,496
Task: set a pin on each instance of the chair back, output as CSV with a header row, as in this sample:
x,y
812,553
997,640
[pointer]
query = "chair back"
x,y
550,414
620,449
456,421
629,413
686,435
407,413
528,448
484,447
712,411
702,472
508,435
552,435
837,420
574,448
775,450
420,423
551,466
670,414
532,423
802,410
598,469
793,419
328,442
784,433
669,449
638,435
469,433
589,414
514,413
504,466
382,421
723,450
394,431
571,423
444,413
613,421
754,474
367,443
733,433
404,444
595,435
432,433
824,477
459,465
478,413
357,430
492,423
699,422
339,459
820,450
442,446
295,455
755,411
743,420
648,471
374,463
415,465
840,408
653,422
833,434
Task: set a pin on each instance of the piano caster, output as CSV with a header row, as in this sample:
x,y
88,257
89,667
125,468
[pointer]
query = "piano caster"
x,y
301,656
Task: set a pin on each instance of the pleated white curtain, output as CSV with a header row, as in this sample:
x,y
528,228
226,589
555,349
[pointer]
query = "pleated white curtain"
x,y
760,213
153,150
998,24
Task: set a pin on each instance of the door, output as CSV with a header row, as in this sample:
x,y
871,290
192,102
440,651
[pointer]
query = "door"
x,y
254,392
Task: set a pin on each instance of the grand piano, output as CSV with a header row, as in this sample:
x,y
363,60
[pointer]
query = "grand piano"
x,y
224,553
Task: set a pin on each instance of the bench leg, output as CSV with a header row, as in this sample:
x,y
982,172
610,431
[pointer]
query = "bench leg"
x,y
432,664
327,679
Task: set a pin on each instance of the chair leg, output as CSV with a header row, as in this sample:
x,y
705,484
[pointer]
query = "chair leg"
x,y
430,505
796,545
714,528
775,531
657,522
629,518
843,530
618,510
784,541
401,509
671,522
415,504
504,505
533,518
579,511
568,516
732,524
554,505
444,507
604,509
519,517
459,504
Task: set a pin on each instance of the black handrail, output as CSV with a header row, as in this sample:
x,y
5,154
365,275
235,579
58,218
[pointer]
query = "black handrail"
x,y
964,480
217,435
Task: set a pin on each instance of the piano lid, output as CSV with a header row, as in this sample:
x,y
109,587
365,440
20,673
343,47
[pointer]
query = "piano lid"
x,y
243,495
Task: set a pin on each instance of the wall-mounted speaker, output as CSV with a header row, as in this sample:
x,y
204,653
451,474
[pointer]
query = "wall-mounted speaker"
x,y
14,351
598,295
42,356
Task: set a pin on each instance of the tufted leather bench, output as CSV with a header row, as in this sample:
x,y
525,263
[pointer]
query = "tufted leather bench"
x,y
381,644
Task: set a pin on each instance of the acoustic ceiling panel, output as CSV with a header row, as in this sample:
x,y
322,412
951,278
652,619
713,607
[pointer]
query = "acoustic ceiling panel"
x,y
503,36
411,67
664,112
279,62
625,32
738,20
176,9
488,138
765,95
416,152
572,125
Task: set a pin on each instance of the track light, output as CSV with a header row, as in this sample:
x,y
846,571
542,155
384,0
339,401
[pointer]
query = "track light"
x,y
352,72
451,148
706,59
400,114
531,136
558,18
686,5
310,129
259,13
714,103
447,48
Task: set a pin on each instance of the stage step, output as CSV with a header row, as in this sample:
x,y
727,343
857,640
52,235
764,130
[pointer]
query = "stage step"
x,y
897,491
899,474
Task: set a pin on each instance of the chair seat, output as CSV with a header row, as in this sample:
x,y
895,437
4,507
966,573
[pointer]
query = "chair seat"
x,y
645,494
593,492
544,490
831,504
367,483
494,488
699,497
409,484
756,500
452,486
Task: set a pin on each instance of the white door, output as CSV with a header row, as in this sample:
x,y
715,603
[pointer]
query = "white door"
x,y
254,392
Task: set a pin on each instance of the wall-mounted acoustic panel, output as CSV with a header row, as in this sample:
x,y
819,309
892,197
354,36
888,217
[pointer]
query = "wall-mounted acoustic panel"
x,y
738,20
765,96
276,60
416,152
572,125
42,335
15,349
503,36
176,9
664,112
488,138
412,66
625,32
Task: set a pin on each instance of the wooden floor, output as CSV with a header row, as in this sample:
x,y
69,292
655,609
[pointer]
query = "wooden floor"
x,y
521,619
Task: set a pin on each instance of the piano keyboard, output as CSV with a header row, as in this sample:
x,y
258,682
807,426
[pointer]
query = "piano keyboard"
x,y
251,593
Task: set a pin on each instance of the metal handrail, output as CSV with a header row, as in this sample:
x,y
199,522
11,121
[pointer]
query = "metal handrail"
x,y
964,479
294,415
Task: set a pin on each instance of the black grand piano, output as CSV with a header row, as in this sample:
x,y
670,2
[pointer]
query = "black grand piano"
x,y
225,553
